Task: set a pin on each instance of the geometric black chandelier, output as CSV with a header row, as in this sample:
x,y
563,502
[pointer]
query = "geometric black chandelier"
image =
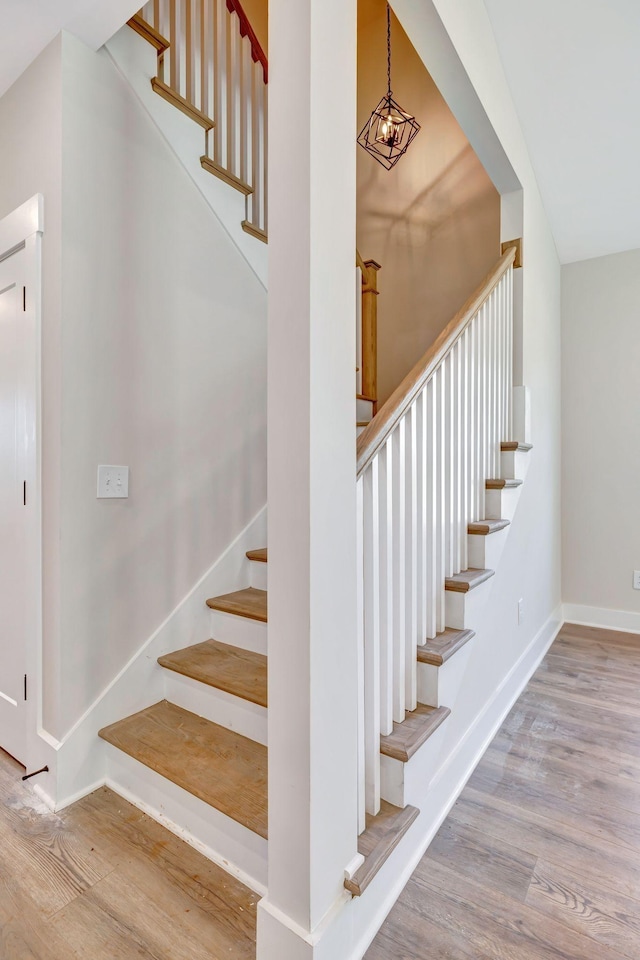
x,y
389,130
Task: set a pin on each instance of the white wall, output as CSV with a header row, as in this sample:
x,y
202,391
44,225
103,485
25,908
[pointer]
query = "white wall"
x,y
30,163
601,439
163,368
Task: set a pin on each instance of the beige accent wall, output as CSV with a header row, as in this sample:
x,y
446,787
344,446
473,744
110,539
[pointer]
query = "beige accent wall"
x,y
257,12
433,222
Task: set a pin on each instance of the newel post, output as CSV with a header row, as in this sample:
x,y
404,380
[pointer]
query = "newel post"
x,y
370,331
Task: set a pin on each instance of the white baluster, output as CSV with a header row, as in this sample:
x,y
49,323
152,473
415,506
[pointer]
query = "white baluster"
x,y
360,650
387,637
411,562
399,556
372,637
441,520
465,472
431,462
421,519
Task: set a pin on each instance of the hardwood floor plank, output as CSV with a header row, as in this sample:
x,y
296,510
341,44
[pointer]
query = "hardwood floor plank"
x,y
493,923
483,858
539,858
589,855
606,916
102,880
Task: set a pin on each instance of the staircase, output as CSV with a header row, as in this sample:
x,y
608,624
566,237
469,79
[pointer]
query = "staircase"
x,y
434,514
438,475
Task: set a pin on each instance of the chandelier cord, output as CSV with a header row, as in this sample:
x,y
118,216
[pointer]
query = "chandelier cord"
x,y
389,50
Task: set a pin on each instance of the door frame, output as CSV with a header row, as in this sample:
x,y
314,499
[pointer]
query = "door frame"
x,y
24,229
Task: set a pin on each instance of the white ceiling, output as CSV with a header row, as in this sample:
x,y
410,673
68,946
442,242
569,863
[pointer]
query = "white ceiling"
x,y
27,26
574,71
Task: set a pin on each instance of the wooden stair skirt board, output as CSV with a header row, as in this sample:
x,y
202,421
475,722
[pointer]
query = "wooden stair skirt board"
x,y
407,737
498,484
260,556
438,651
511,446
170,95
225,770
467,580
212,167
483,528
250,603
381,836
254,231
238,672
147,32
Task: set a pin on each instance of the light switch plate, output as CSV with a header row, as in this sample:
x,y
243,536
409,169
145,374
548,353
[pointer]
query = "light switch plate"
x,y
113,482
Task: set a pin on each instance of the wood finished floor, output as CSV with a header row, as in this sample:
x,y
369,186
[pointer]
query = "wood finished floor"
x,y
539,858
101,880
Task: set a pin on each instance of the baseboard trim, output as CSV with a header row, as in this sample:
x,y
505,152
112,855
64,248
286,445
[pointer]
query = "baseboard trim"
x,y
623,621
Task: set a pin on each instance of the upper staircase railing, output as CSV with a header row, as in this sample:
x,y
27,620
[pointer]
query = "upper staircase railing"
x,y
211,65
423,462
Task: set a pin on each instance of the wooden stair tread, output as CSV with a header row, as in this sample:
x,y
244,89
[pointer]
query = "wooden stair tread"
x,y
220,665
381,836
467,579
499,484
250,603
407,737
512,445
225,770
254,231
443,646
484,528
259,555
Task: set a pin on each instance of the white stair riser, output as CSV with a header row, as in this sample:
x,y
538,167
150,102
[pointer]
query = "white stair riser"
x,y
501,504
218,706
462,610
258,574
485,551
359,431
514,464
237,849
396,776
438,686
239,631
364,411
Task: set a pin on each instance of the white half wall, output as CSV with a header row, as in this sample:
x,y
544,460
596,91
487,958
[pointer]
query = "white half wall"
x,y
601,439
163,353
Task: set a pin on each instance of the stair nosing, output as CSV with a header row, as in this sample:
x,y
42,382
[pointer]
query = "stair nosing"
x,y
438,659
484,528
375,860
404,753
497,483
511,446
464,586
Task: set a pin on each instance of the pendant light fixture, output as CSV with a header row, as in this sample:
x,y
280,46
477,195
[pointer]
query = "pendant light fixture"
x,y
389,130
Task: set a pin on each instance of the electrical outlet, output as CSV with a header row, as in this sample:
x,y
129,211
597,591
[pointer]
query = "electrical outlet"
x,y
113,482
636,579
520,611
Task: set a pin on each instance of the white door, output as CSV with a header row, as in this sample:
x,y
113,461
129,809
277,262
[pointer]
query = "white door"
x,y
13,522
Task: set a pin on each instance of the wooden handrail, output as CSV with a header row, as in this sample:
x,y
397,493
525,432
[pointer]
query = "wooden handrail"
x,y
246,30
376,433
